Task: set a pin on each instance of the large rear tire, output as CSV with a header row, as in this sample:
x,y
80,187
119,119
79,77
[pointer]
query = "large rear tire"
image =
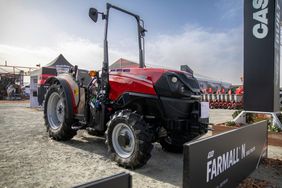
x,y
128,139
55,109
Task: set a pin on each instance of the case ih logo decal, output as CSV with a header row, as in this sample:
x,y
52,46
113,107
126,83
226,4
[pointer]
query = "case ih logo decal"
x,y
260,29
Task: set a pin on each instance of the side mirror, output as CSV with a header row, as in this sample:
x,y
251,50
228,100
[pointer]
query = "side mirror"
x,y
93,14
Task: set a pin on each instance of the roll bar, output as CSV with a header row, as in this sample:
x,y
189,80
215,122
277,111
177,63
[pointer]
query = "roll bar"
x,y
93,13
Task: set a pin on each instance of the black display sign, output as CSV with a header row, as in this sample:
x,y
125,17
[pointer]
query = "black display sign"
x,y
122,180
261,55
224,160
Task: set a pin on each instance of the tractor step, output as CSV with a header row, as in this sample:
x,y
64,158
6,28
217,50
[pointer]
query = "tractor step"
x,y
78,125
80,117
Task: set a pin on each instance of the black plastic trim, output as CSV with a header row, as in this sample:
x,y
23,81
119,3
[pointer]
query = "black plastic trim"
x,y
165,87
68,94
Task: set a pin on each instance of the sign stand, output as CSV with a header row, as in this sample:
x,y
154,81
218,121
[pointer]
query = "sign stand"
x,y
241,118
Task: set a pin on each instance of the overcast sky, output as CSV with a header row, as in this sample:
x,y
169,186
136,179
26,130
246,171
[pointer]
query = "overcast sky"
x,y
207,35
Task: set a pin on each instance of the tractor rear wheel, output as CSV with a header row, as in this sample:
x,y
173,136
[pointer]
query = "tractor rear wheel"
x,y
128,139
55,108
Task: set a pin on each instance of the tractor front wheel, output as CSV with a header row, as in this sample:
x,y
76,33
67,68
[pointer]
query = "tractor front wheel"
x,y
128,139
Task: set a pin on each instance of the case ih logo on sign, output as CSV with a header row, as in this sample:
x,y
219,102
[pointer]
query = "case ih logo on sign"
x,y
226,159
260,29
261,55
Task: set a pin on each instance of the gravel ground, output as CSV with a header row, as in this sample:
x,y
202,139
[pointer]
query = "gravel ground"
x,y
28,158
218,116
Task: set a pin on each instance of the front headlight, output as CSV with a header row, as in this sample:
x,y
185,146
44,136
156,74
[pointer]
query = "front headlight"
x,y
177,86
174,79
172,84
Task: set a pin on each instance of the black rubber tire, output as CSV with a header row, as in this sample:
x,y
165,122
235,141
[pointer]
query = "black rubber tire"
x,y
143,139
172,145
64,132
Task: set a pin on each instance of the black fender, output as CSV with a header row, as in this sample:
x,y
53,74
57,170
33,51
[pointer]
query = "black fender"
x,y
148,103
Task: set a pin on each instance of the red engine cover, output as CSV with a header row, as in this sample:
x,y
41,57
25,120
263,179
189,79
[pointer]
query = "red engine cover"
x,y
139,80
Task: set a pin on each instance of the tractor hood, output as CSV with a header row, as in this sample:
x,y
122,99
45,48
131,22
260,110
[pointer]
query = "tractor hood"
x,y
168,83
177,84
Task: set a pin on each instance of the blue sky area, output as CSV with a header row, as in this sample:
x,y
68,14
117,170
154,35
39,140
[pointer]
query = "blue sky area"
x,y
206,34
160,16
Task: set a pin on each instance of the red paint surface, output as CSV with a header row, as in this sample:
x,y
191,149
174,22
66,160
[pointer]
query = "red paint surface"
x,y
139,80
43,77
74,107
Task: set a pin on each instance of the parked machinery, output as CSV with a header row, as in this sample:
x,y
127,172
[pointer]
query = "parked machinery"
x,y
8,89
134,107
222,100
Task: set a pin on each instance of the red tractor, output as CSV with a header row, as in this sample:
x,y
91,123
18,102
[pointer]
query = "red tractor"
x,y
132,107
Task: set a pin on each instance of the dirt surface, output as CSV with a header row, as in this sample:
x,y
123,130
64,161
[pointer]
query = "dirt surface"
x,y
28,158
220,128
275,139
254,183
267,175
14,102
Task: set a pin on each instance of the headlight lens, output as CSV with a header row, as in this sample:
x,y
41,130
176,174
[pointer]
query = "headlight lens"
x,y
177,87
174,79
